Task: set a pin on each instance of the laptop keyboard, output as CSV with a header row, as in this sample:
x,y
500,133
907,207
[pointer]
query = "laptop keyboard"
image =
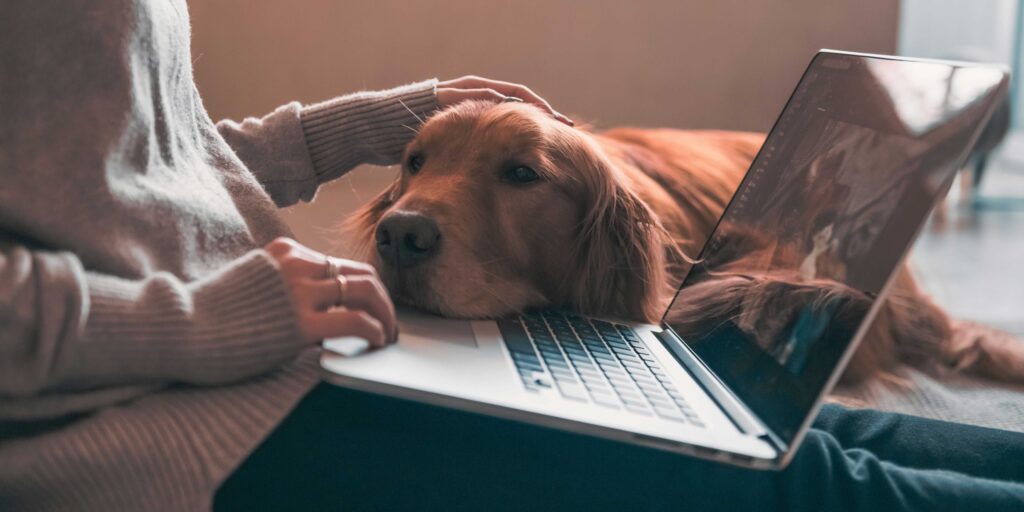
x,y
592,361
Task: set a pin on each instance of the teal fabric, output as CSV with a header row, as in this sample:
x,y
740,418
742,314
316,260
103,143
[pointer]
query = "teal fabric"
x,y
346,450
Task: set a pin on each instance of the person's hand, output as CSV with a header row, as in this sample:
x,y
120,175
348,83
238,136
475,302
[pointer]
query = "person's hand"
x,y
353,304
471,87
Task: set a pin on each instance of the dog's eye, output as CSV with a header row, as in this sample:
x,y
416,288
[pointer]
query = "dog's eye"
x,y
521,174
415,163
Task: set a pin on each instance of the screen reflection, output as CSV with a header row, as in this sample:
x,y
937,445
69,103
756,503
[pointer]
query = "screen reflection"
x,y
822,219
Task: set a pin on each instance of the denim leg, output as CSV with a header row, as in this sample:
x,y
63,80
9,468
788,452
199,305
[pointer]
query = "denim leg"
x,y
916,442
342,449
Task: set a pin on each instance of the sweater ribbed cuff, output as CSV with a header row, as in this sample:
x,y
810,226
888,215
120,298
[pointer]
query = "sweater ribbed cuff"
x,y
365,127
234,324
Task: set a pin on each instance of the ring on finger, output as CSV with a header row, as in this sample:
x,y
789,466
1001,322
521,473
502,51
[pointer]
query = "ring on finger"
x,y
332,269
342,289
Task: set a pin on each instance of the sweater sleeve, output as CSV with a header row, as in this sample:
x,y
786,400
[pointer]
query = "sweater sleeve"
x,y
296,148
63,328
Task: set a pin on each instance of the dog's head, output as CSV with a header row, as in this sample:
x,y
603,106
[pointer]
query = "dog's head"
x,y
499,208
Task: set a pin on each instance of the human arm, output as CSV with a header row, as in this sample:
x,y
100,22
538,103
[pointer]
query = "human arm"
x,y
64,328
296,148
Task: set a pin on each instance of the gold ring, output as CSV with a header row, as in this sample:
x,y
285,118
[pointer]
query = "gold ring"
x,y
332,269
342,289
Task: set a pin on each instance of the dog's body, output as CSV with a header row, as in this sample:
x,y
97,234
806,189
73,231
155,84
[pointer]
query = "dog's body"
x,y
500,208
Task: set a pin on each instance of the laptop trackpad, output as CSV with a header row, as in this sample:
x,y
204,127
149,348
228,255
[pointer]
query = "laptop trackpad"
x,y
418,327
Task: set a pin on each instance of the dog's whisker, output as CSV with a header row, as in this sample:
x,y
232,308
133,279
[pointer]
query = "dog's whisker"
x,y
498,298
414,114
492,293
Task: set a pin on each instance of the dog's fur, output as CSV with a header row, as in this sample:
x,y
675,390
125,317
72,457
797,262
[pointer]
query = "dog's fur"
x,y
608,230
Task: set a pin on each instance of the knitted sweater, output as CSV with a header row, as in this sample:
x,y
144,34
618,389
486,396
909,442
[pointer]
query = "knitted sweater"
x,y
147,343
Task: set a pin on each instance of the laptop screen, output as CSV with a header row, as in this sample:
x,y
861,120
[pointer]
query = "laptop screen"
x,y
825,214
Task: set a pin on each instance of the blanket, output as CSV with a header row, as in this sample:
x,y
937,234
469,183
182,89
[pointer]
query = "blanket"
x,y
957,398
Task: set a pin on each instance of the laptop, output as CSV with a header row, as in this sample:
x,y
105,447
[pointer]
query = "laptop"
x,y
765,321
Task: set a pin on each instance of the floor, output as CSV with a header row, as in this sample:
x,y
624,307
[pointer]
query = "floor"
x,y
973,263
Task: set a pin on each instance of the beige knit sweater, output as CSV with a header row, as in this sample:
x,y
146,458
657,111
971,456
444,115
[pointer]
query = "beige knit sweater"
x,y
147,344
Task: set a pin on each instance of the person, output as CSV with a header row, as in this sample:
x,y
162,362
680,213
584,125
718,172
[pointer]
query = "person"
x,y
157,323
143,262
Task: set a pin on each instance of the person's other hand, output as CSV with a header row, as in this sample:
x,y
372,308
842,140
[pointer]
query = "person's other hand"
x,y
326,307
451,92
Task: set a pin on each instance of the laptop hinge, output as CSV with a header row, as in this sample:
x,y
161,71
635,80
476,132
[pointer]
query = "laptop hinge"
x,y
741,416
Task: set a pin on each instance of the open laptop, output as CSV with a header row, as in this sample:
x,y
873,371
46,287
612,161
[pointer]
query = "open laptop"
x,y
738,366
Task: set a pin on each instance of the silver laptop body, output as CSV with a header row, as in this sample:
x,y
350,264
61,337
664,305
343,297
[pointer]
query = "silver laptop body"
x,y
862,150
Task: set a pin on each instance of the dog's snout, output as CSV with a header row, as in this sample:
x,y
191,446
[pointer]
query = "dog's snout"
x,y
407,238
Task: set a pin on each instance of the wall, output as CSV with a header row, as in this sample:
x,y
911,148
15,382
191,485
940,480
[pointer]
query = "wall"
x,y
697,64
953,29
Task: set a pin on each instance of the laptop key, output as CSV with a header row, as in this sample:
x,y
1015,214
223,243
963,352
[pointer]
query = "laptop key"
x,y
525,357
634,365
527,373
669,413
558,363
521,359
624,354
664,379
623,351
685,407
619,378
563,374
661,400
515,336
642,378
574,392
621,386
592,360
652,390
551,353
636,409
530,367
630,337
627,394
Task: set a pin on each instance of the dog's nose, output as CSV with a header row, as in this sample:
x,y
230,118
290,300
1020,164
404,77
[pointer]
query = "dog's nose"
x,y
407,238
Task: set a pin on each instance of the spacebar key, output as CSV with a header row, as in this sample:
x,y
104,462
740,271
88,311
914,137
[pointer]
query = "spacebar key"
x,y
515,336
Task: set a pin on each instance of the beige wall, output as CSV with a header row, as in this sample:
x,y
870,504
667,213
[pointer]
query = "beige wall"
x,y
699,63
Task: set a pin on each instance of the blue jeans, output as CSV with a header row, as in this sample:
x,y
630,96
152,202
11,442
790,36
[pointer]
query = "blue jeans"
x,y
347,450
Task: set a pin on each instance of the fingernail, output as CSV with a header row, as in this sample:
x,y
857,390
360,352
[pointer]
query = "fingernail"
x,y
512,99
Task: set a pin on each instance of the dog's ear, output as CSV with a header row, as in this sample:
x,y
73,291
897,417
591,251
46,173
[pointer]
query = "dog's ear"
x,y
620,246
359,227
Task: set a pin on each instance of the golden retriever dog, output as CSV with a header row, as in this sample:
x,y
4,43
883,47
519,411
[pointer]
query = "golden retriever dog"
x,y
499,208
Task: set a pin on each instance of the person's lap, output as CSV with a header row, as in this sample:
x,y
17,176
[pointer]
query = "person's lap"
x,y
342,449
